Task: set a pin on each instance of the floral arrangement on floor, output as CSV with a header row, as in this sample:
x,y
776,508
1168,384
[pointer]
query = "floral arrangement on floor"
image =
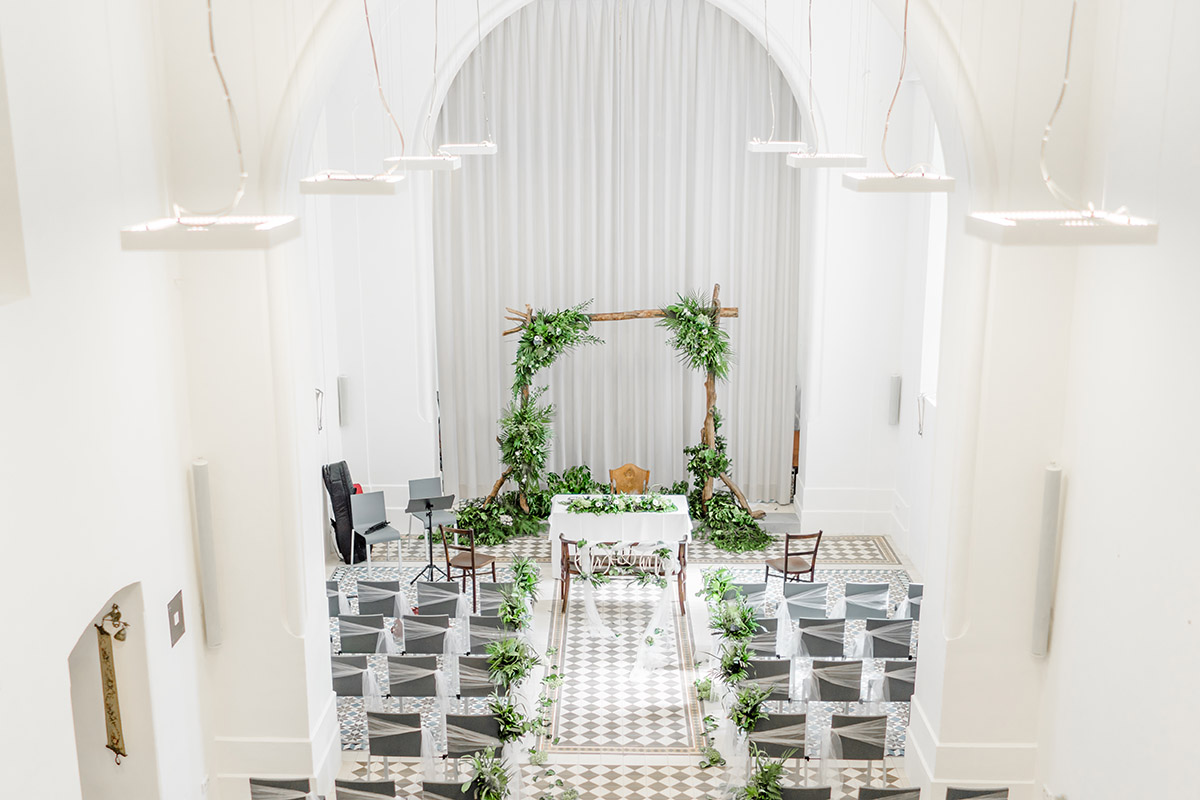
x,y
652,503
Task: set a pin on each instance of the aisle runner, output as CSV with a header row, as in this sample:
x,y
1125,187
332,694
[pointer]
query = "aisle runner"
x,y
601,707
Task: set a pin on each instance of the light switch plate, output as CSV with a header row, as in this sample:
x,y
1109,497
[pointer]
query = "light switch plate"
x,y
175,617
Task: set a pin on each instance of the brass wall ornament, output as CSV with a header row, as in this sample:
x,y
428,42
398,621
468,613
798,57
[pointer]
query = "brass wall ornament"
x,y
108,679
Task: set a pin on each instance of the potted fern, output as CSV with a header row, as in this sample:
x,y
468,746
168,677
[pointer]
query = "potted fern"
x,y
749,707
510,661
734,620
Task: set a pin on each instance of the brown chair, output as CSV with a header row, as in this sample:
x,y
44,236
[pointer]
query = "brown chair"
x,y
629,479
465,560
799,557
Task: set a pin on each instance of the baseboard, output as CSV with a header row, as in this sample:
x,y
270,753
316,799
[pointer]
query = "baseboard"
x,y
933,765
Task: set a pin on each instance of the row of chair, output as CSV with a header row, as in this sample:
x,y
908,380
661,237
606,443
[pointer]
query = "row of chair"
x,y
833,681
263,789
811,600
413,676
390,599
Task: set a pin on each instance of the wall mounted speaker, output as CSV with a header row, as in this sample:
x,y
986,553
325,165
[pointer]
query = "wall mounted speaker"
x,y
343,392
206,553
1047,569
894,400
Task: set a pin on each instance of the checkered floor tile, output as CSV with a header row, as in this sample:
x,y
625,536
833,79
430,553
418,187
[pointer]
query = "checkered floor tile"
x,y
603,707
850,549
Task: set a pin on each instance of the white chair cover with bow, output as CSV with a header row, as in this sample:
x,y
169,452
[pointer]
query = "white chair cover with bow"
x,y
259,792
897,632
871,732
371,693
374,594
652,652
384,641
384,728
595,627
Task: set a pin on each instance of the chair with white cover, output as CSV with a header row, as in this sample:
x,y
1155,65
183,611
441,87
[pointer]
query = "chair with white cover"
x,y
399,736
364,790
425,634
442,597
473,678
833,682
884,638
899,681
364,634
369,513
755,595
353,677
805,792
485,630
772,674
491,596
781,735
892,793
863,601
468,734
338,604
910,606
820,638
415,676
806,600
959,793
281,789
765,641
437,790
382,597
855,738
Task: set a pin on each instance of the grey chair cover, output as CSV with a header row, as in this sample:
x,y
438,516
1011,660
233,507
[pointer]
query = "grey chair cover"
x,y
910,606
473,680
765,641
773,674
364,790
286,789
442,597
755,595
834,681
485,630
820,638
412,676
805,792
779,734
893,793
490,596
806,600
899,681
863,601
365,634
382,597
425,633
960,793
338,604
431,790
467,734
885,638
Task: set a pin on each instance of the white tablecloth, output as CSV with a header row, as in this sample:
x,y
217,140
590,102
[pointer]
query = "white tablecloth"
x,y
674,526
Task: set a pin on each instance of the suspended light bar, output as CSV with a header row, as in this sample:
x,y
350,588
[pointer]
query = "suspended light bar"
x,y
476,149
1062,228
348,183
425,163
825,160
772,146
887,182
210,233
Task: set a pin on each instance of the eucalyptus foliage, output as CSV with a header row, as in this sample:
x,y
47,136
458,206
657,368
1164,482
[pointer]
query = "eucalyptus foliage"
x,y
735,662
733,620
546,337
514,610
526,575
510,661
695,331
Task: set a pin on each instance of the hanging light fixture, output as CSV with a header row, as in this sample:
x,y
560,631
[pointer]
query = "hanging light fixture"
x,y
1071,225
438,162
340,182
807,156
913,179
771,145
213,230
488,146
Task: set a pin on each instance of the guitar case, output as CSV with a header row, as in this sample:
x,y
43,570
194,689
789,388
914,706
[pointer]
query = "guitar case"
x,y
340,487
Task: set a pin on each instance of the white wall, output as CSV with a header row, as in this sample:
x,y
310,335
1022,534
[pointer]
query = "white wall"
x,y
1131,433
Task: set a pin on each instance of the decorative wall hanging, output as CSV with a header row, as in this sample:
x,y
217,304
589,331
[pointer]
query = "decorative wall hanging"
x,y
108,679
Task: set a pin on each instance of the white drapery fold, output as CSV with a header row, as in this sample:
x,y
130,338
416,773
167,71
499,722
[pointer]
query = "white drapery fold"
x,y
374,594
381,728
384,643
871,732
653,652
372,694
622,176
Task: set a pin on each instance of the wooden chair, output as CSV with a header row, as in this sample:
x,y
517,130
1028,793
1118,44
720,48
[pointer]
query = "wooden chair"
x,y
798,559
466,560
629,479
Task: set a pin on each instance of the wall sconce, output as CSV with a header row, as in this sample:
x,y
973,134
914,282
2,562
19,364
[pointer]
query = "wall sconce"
x,y
108,678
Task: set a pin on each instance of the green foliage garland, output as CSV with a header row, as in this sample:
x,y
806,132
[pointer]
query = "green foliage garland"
x,y
735,662
525,440
575,480
526,575
695,331
749,708
510,661
715,583
547,336
733,620
652,503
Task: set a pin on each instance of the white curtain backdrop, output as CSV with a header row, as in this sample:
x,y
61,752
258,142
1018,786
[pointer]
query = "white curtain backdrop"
x,y
623,176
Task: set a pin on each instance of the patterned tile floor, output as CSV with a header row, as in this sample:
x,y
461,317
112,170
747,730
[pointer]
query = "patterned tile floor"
x,y
850,549
619,739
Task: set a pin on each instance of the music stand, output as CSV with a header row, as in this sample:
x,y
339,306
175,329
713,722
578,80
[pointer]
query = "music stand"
x,y
426,506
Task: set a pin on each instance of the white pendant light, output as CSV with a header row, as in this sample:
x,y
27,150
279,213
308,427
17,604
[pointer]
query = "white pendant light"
x,y
809,156
350,183
485,148
902,182
771,145
915,179
1073,225
488,146
216,230
336,182
425,163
